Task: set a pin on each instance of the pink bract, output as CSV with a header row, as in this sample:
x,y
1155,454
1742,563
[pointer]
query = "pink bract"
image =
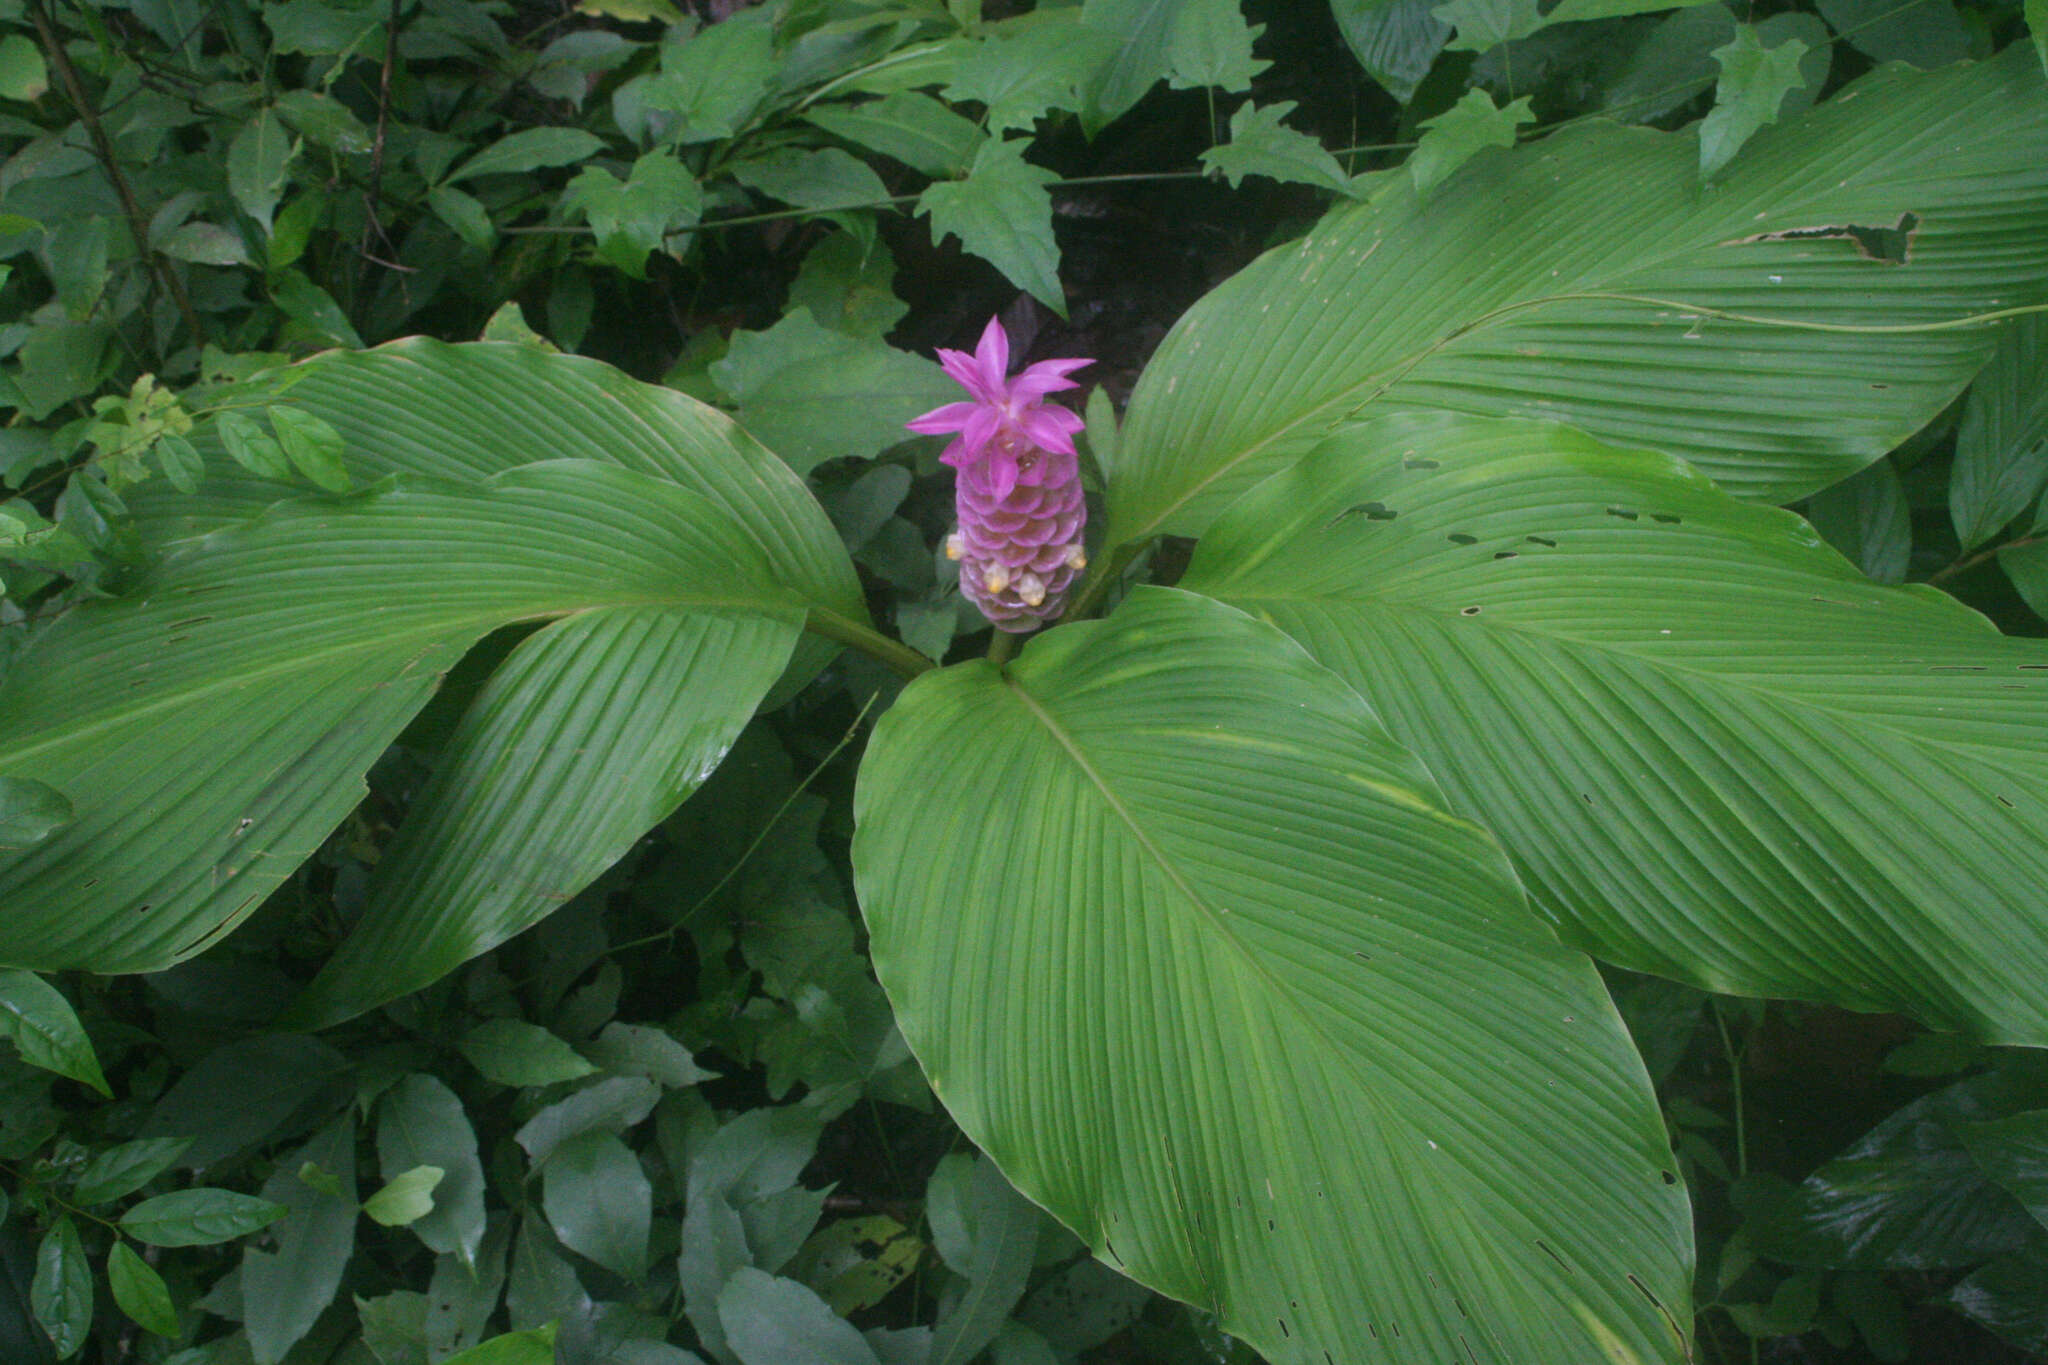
x,y
1018,495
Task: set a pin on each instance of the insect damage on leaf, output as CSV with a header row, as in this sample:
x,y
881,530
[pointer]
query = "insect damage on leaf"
x,y
1891,245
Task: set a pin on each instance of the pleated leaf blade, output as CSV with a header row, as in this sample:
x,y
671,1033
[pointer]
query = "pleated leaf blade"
x,y
1715,750
212,727
1191,949
1586,278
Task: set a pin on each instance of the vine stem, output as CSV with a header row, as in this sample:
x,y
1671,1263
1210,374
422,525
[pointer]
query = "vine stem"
x,y
1968,562
103,146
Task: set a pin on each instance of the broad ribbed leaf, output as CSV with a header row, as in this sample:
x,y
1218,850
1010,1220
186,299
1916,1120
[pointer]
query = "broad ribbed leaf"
x,y
1190,948
1502,296
1715,750
468,412
589,735
212,727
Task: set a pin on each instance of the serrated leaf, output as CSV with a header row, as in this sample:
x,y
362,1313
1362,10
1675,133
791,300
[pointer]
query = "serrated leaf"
x,y
639,1050
599,1202
529,149
124,1169
1370,311
2002,442
259,163
909,126
712,81
514,1052
1174,797
44,1027
30,812
635,216
820,178
1190,42
60,1295
1754,82
406,1198
1396,41
421,1123
140,1292
1020,77
1462,132
1587,644
1260,144
312,444
1002,213
811,394
201,1217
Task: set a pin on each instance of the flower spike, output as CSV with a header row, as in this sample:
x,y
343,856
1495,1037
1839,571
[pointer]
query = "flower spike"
x,y
1018,493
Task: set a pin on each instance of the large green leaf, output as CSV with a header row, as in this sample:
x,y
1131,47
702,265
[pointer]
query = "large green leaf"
x,y
1190,948
467,412
1715,750
212,727
1503,296
590,734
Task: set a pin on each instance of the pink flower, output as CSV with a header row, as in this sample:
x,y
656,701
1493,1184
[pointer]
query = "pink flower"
x,y
1018,495
1007,415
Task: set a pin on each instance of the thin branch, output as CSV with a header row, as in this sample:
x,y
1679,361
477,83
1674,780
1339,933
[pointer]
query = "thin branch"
x,y
103,147
373,227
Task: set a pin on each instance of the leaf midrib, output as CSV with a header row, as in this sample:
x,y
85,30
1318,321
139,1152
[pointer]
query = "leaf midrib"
x,y
476,625
1216,917
1708,681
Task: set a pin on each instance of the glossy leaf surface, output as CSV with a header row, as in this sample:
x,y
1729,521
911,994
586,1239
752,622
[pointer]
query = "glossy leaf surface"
x,y
1191,949
1715,750
212,727
1503,296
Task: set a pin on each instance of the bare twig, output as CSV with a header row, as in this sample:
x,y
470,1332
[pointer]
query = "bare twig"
x,y
103,147
373,227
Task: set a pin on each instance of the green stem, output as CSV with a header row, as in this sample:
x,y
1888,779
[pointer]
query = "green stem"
x,y
868,641
1968,562
1734,1057
1002,647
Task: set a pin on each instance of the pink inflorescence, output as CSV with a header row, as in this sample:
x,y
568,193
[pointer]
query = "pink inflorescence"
x,y
1018,493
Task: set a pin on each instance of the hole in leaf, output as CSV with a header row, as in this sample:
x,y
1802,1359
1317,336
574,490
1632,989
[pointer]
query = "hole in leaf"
x,y
1669,1178
2007,804
1544,1247
1891,245
1541,540
1625,513
1460,538
1468,611
1371,511
1417,462
1283,1327
1506,554
1666,518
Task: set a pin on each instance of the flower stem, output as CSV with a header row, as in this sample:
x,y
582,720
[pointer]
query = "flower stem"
x,y
1001,648
868,641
